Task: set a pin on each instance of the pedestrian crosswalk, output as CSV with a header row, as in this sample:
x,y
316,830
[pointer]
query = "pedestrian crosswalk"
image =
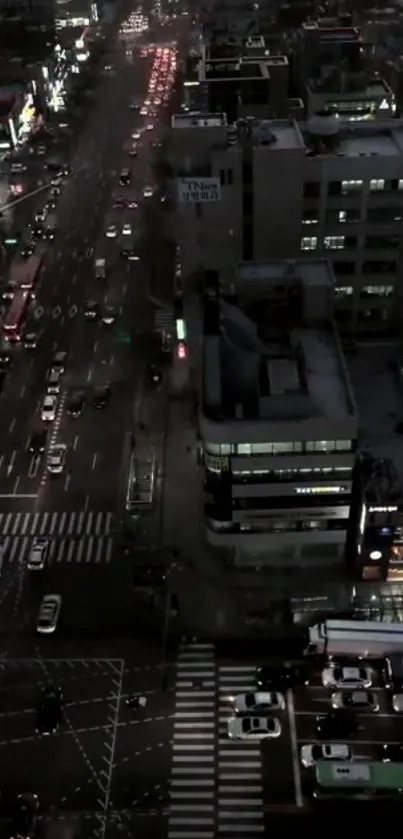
x,y
74,537
72,524
216,787
192,788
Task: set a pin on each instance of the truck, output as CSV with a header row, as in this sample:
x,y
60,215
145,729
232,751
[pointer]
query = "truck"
x,y
360,639
100,268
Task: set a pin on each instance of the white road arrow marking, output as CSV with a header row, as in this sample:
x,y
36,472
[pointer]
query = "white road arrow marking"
x,y
73,311
89,252
56,312
39,312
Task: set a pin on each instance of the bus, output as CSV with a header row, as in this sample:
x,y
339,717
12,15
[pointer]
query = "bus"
x,y
360,780
15,317
24,273
140,485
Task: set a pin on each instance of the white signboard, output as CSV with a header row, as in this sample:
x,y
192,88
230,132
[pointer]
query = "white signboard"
x,y
198,190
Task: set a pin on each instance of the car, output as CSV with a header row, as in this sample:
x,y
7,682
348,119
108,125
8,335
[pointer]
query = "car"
x,y
50,710
111,231
397,702
153,375
312,752
25,815
41,214
390,753
281,677
30,340
55,192
66,169
125,177
38,553
57,458
5,359
8,291
27,250
136,135
258,702
127,229
3,378
132,204
133,152
119,203
39,231
59,360
358,700
48,410
37,441
75,404
48,614
51,204
338,723
148,192
150,126
91,310
41,150
57,183
54,380
144,111
108,315
253,728
336,676
101,396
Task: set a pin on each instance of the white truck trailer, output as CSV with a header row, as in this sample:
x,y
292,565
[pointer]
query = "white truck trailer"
x,y
100,269
361,639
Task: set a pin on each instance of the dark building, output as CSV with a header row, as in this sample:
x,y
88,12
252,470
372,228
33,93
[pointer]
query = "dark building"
x,y
27,30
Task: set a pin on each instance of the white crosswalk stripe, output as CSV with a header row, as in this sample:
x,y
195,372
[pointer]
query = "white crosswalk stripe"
x,y
193,778
240,781
96,550
73,524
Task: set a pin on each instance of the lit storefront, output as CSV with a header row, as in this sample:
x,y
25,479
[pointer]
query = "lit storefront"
x,y
27,118
380,543
54,76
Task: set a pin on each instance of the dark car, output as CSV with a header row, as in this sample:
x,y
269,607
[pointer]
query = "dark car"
x,y
75,404
27,250
131,254
153,375
119,203
91,310
37,441
51,204
25,815
50,710
59,360
53,166
133,152
336,724
38,231
50,233
391,753
101,396
5,359
281,676
125,177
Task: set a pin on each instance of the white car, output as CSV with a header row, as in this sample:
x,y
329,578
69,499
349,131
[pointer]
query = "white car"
x,y
312,752
38,554
48,614
48,412
253,728
127,229
150,126
136,135
259,702
111,231
144,112
41,214
335,676
147,192
56,459
397,703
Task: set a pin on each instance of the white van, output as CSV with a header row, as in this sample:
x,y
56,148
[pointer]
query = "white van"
x,y
54,380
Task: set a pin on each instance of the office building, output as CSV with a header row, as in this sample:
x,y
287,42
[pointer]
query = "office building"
x,y
27,29
278,422
325,188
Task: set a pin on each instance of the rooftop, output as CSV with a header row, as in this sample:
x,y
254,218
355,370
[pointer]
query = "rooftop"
x,y
350,87
272,364
358,139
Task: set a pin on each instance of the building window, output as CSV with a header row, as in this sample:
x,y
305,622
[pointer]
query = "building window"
x,y
382,242
329,446
379,267
400,184
376,185
384,215
309,243
334,243
310,217
347,187
348,216
376,291
343,268
312,189
244,448
343,291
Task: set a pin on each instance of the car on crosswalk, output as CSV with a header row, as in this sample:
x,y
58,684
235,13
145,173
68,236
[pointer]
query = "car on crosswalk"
x,y
57,459
38,554
48,410
50,710
48,614
253,728
25,815
258,702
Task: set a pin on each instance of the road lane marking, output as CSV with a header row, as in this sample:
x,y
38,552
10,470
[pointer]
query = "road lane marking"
x,y
294,749
94,461
67,482
16,485
75,442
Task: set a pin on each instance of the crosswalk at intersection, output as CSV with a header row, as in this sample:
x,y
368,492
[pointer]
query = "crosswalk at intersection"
x,y
74,537
216,787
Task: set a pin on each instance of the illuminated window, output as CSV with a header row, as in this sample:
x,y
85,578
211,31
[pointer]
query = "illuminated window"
x,y
376,185
376,291
343,291
309,243
309,217
334,243
351,186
